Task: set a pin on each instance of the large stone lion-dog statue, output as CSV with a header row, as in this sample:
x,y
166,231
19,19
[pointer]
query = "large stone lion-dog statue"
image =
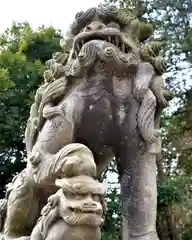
x,y
105,91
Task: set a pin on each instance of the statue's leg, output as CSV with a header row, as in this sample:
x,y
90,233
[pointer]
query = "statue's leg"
x,y
137,168
22,207
139,194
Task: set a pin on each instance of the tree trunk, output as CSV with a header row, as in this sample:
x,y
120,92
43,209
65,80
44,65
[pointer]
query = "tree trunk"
x,y
167,232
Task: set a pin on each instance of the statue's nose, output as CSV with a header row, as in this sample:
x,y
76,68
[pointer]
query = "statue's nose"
x,y
89,204
94,26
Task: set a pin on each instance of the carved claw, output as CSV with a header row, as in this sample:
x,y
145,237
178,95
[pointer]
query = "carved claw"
x,y
36,122
163,102
3,206
168,95
45,210
35,159
165,98
53,200
155,135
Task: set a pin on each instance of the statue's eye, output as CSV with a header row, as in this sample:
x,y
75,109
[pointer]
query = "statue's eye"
x,y
95,197
113,25
79,197
70,195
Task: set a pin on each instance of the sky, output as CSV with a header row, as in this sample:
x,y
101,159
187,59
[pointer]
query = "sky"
x,y
57,13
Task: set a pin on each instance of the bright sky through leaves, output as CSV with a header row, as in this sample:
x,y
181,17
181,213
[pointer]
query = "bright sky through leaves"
x,y
58,13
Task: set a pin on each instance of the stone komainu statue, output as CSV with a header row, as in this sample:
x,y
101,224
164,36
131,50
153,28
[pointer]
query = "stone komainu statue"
x,y
104,91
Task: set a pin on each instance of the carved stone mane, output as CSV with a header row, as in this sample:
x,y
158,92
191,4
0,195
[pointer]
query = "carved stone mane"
x,y
83,56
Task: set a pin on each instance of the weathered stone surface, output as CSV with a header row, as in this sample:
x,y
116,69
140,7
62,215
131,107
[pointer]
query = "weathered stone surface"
x,y
106,92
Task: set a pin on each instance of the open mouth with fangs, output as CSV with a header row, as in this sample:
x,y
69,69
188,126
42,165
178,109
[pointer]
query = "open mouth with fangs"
x,y
85,211
112,37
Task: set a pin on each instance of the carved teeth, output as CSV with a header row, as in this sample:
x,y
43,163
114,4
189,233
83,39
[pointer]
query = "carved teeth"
x,y
76,54
113,40
78,47
117,41
126,49
123,47
81,56
77,210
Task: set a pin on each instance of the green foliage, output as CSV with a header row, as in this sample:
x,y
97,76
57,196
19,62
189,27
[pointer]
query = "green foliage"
x,y
112,225
5,82
14,111
40,45
23,52
12,37
187,232
172,190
